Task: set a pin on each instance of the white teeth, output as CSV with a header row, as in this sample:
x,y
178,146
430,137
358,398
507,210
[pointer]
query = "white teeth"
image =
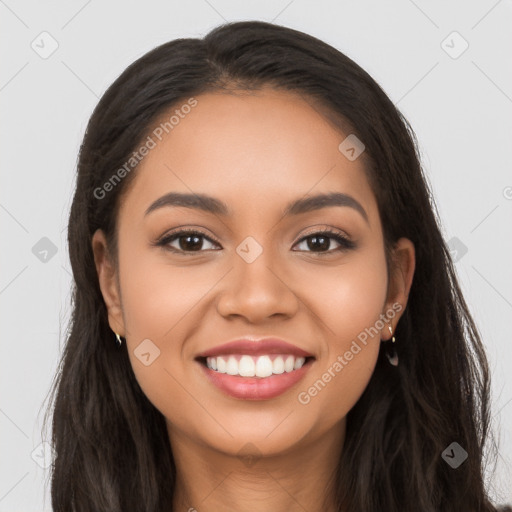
x,y
299,362
251,366
278,365
263,366
232,366
221,364
288,364
246,366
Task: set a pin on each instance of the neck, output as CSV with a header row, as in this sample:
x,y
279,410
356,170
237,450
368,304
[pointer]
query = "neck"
x,y
208,480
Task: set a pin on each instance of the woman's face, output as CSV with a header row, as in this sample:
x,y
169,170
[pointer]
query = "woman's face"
x,y
252,270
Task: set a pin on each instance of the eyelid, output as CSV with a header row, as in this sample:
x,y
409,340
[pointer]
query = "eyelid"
x,y
323,228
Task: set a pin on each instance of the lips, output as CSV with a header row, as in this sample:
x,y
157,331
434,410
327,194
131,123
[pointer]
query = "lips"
x,y
255,348
228,367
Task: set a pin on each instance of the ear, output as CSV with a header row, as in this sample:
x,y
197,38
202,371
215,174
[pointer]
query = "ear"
x,y
403,263
108,282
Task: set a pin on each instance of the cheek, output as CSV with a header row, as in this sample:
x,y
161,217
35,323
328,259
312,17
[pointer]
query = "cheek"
x,y
157,294
159,304
349,297
349,300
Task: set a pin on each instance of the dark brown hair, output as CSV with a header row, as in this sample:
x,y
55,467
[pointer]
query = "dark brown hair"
x,y
112,445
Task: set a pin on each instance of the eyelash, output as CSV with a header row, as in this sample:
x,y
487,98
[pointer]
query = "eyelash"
x,y
345,243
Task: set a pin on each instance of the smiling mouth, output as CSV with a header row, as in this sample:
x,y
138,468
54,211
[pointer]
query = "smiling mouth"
x,y
262,366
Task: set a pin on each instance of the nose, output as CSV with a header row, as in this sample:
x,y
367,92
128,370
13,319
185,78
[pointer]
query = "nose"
x,y
257,291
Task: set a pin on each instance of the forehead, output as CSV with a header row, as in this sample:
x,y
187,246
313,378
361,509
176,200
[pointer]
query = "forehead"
x,y
251,149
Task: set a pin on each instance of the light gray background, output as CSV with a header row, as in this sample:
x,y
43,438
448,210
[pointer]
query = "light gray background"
x,y
459,107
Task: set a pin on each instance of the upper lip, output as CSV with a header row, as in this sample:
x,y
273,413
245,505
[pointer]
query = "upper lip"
x,y
255,348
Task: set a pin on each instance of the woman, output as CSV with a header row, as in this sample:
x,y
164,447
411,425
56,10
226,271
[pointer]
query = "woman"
x,y
266,316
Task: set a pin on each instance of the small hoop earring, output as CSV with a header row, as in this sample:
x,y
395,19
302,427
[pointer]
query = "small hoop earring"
x,y
119,340
391,352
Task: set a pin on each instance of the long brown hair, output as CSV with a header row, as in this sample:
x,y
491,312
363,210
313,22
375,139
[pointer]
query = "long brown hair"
x,y
112,445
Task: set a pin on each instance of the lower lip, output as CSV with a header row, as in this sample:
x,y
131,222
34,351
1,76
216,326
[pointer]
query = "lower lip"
x,y
256,388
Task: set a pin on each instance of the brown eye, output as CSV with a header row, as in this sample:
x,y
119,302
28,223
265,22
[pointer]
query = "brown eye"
x,y
321,242
187,241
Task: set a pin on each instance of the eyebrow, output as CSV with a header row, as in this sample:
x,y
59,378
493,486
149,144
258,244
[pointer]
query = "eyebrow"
x,y
215,206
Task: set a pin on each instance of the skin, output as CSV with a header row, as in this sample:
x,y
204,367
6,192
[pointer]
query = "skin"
x,y
256,152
